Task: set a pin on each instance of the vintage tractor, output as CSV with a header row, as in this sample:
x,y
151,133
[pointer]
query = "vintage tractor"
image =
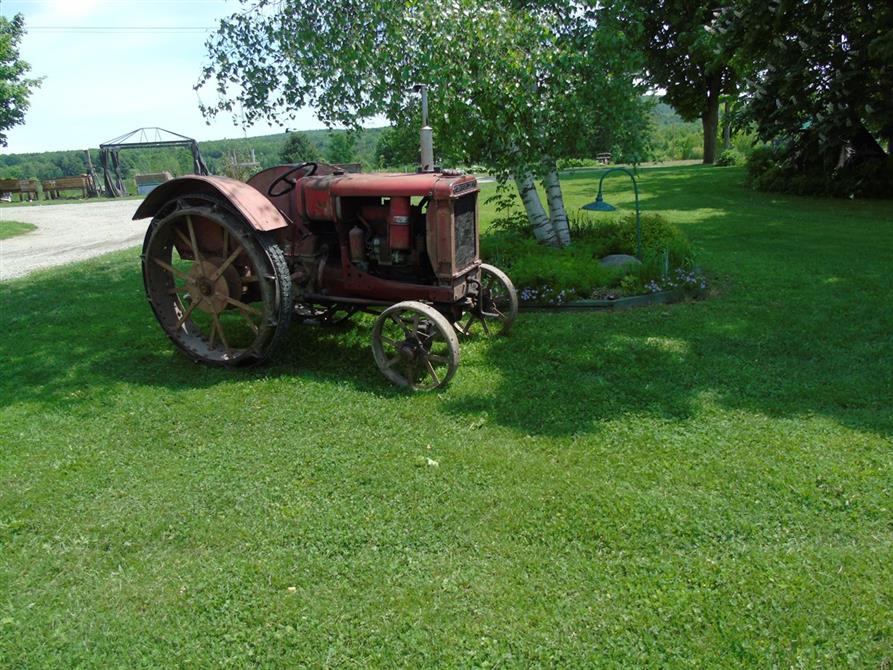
x,y
227,265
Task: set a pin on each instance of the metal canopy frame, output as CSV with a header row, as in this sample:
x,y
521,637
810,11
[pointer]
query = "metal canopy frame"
x,y
142,138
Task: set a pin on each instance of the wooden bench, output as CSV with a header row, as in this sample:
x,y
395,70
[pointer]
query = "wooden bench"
x,y
83,183
24,187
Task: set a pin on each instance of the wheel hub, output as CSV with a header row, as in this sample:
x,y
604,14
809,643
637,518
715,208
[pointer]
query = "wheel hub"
x,y
410,349
213,294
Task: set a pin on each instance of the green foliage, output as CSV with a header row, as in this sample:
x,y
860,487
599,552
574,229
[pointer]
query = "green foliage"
x,y
820,78
682,141
774,169
342,148
299,149
575,270
681,57
730,157
526,83
398,146
15,86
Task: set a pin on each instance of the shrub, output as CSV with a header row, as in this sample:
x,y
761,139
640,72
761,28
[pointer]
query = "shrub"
x,y
555,275
760,160
618,236
779,169
730,157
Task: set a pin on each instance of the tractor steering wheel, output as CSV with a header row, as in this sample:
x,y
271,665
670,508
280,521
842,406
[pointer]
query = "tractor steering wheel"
x,y
290,183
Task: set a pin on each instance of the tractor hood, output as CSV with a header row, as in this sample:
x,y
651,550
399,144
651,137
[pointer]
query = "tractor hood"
x,y
436,185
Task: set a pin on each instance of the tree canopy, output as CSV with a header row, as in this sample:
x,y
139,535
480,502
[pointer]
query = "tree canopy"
x,y
682,57
818,73
342,148
298,149
513,85
15,85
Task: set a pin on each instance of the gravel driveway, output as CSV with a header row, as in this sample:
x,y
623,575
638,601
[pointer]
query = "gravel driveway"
x,y
68,233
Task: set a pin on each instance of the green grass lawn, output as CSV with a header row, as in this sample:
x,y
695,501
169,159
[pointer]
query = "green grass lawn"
x,y
705,485
12,228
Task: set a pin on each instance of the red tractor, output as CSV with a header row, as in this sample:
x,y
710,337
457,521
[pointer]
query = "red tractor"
x,y
227,265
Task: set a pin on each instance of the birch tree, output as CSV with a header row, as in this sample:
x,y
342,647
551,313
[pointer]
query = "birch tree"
x,y
512,85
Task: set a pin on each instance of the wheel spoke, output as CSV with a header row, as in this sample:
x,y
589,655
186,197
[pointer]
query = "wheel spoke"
x,y
184,239
178,289
195,251
186,314
170,268
388,340
250,322
437,358
431,371
220,331
226,264
238,303
401,323
392,362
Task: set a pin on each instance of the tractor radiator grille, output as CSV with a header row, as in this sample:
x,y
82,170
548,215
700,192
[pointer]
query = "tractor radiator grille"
x,y
466,235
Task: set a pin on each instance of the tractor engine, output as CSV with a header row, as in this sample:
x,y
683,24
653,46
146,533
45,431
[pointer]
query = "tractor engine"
x,y
388,239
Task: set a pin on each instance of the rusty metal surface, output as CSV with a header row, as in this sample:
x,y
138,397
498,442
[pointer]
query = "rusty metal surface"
x,y
387,185
250,203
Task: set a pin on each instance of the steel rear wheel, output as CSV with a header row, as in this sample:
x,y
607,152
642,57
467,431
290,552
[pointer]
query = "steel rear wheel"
x,y
220,290
494,308
415,346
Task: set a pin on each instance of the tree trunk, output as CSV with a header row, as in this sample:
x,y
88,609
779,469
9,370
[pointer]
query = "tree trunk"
x,y
710,119
726,128
543,230
555,199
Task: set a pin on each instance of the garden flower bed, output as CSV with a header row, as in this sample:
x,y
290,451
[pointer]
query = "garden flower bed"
x,y
573,277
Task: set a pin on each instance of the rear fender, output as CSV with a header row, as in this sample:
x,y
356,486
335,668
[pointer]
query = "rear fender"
x,y
253,205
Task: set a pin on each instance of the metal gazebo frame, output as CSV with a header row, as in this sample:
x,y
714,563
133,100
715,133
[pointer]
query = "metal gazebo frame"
x,y
142,138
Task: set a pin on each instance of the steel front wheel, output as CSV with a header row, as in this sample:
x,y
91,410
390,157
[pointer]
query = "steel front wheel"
x,y
495,306
415,346
220,290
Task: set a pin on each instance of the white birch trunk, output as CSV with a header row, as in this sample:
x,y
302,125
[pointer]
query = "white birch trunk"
x,y
557,213
543,230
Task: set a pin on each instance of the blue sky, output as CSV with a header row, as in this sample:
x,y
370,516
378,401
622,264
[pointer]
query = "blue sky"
x,y
101,84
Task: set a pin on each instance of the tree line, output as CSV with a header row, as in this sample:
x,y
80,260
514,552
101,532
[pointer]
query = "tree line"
x,y
669,138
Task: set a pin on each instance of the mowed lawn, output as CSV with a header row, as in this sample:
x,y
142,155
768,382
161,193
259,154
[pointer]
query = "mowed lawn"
x,y
704,485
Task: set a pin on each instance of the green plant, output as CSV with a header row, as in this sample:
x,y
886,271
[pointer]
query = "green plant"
x,y
730,157
544,273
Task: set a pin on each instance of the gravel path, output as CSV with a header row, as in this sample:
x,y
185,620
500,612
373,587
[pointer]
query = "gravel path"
x,y
68,233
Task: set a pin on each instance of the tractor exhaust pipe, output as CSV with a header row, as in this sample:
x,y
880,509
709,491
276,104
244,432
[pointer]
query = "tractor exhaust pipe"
x,y
426,135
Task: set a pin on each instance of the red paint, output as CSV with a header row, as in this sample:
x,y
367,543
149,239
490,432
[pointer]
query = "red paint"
x,y
399,229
